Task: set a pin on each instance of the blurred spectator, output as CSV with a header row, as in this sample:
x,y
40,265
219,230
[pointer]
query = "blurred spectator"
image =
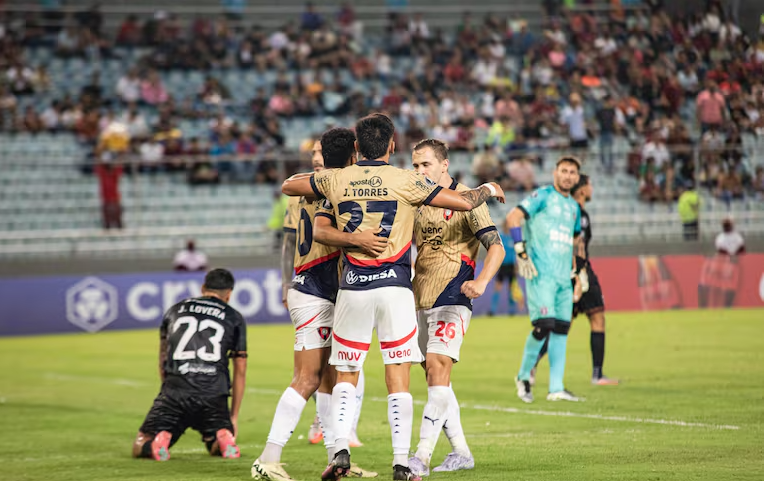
x,y
51,117
501,134
128,87
135,123
573,117
213,92
757,185
310,19
655,148
190,259
68,42
611,121
152,90
711,107
31,121
151,153
649,189
689,212
522,175
109,175
129,34
20,79
729,241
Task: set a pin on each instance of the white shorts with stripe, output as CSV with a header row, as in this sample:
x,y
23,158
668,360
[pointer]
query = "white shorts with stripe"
x,y
442,329
312,318
389,310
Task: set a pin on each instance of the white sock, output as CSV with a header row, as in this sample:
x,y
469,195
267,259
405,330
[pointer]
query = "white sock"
x,y
285,420
324,409
400,414
359,400
453,426
433,417
343,410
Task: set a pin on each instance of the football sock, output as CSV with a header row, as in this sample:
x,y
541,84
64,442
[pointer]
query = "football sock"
x,y
597,342
343,412
324,408
359,387
453,426
400,414
530,356
558,344
495,301
433,417
285,420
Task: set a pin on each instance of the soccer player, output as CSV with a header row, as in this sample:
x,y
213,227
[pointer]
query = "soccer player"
x,y
592,303
553,221
376,293
506,274
310,299
444,286
196,340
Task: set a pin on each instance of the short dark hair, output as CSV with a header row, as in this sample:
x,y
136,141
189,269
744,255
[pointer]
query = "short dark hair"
x,y
583,181
571,159
374,133
337,147
218,280
439,148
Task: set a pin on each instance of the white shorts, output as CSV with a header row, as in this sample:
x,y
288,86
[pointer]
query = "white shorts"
x,y
442,329
391,310
312,318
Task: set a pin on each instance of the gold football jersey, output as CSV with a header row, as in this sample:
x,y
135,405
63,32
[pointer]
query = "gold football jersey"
x,y
315,264
447,248
368,195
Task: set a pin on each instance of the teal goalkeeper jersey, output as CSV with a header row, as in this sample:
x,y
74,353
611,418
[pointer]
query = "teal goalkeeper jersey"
x,y
552,221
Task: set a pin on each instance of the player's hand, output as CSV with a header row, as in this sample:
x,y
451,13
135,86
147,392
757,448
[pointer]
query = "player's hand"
x,y
284,297
577,289
473,289
235,422
583,277
525,265
371,243
499,192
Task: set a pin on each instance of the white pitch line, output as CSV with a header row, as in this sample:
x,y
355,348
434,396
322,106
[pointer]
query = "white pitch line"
x,y
477,407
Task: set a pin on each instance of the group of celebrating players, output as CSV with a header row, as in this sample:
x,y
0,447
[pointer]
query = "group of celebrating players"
x,y
347,249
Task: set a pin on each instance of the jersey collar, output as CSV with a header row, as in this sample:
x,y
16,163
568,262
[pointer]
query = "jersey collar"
x,y
453,185
371,163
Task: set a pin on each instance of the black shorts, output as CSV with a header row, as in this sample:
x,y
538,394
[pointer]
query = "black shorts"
x,y
592,300
175,411
506,273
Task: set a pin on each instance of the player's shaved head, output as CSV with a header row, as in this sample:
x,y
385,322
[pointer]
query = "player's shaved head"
x,y
338,146
583,181
582,189
439,148
218,283
374,136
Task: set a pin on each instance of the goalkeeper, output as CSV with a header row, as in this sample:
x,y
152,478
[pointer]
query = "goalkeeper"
x,y
545,258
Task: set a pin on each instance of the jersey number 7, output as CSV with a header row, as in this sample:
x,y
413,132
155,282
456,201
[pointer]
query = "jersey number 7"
x,y
388,208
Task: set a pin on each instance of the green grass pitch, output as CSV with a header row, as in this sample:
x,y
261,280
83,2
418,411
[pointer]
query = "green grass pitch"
x,y
690,406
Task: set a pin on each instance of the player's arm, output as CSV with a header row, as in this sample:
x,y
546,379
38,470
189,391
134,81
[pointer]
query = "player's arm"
x,y
326,232
239,356
163,334
465,200
491,240
288,246
311,186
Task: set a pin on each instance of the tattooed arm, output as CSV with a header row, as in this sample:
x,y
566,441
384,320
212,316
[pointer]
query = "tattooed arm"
x,y
492,242
466,200
288,246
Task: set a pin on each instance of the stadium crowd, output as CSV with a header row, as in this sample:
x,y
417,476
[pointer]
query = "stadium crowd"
x,y
683,91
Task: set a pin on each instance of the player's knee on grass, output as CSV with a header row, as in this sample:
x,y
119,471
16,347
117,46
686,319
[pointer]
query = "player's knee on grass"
x,y
542,328
561,327
438,369
212,445
142,445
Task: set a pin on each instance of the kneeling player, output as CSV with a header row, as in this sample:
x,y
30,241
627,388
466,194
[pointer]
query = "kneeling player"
x,y
444,286
197,337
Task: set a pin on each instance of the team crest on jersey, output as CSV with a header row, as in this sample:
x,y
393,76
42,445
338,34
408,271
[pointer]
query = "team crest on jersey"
x,y
324,332
544,311
447,214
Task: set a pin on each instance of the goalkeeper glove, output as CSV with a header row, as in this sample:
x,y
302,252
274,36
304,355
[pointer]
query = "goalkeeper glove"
x,y
584,278
524,263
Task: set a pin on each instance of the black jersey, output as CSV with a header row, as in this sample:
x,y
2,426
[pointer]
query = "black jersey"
x,y
201,333
586,230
